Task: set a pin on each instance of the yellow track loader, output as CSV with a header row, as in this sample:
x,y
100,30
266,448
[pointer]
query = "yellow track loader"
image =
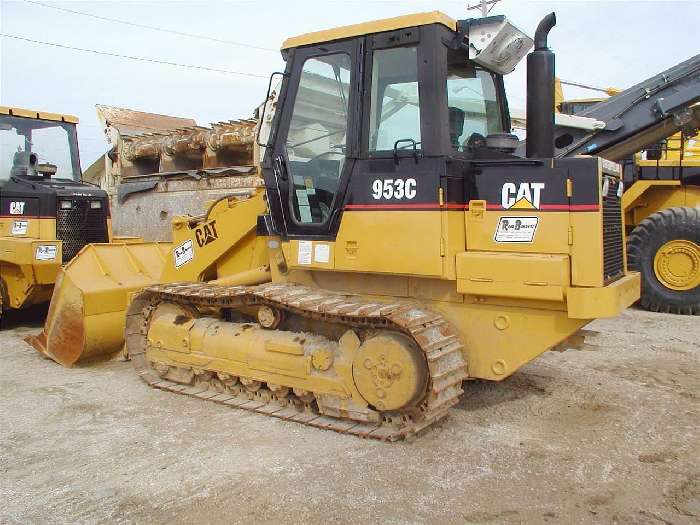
x,y
46,213
398,247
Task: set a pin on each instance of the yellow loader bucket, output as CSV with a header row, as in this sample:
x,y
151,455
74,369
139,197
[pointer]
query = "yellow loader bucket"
x,y
87,314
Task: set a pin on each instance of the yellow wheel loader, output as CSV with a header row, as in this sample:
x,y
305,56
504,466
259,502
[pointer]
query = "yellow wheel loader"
x,y
46,214
662,211
661,178
398,248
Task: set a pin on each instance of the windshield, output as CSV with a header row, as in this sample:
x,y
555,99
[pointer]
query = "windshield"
x,y
32,147
472,99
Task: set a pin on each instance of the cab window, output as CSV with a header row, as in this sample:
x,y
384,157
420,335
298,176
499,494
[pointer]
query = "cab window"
x,y
316,142
27,144
473,104
394,100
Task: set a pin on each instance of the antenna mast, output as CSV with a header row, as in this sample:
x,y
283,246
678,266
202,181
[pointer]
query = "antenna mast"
x,y
484,5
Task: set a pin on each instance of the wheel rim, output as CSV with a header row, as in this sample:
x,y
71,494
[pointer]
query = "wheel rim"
x,y
677,265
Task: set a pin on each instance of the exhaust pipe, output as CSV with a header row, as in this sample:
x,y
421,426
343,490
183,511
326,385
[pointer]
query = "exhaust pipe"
x,y
539,142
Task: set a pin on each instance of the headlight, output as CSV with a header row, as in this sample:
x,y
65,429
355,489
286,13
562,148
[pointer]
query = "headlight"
x,y
606,186
66,205
95,205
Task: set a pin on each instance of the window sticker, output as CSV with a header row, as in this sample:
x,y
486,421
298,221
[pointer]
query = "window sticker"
x,y
303,197
309,183
305,214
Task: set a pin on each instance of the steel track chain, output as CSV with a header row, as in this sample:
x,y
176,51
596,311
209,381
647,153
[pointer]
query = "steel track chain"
x,y
429,330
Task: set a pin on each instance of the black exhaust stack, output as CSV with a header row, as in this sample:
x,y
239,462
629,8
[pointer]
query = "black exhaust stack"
x,y
540,94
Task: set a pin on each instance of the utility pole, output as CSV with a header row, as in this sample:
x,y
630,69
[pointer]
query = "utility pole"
x,y
484,6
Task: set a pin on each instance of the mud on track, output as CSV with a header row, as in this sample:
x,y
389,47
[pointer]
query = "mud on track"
x,y
599,435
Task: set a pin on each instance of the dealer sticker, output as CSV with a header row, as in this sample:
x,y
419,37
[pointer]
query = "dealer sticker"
x,y
183,253
19,227
516,229
46,252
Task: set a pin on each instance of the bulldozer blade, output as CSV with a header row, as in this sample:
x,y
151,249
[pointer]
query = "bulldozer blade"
x,y
87,313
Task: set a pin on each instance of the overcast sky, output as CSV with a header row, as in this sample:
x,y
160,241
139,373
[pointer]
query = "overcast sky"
x,y
601,43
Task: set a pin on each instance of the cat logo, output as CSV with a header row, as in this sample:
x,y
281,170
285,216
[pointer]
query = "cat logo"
x,y
525,196
17,208
206,234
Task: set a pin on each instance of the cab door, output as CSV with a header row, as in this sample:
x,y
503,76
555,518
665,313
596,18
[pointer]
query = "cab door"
x,y
392,217
314,151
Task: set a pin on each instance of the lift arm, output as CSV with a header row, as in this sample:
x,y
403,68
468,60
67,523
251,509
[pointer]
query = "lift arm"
x,y
639,116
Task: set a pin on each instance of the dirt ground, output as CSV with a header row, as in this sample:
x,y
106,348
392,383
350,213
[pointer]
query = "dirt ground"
x,y
604,435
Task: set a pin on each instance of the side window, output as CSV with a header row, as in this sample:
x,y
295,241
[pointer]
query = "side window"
x,y
12,144
473,104
395,100
51,144
317,137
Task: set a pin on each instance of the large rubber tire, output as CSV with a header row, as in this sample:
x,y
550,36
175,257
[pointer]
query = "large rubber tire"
x,y
654,232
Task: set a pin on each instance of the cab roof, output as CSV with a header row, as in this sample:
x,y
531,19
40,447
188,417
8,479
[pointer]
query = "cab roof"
x,y
376,26
41,115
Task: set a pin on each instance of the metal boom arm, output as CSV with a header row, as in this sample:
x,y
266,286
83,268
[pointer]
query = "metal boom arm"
x,y
639,116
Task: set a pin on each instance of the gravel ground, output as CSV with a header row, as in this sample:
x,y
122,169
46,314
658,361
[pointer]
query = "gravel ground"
x,y
608,434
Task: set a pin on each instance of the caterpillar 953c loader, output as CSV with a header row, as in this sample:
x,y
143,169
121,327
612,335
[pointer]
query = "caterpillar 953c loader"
x,y
397,249
46,214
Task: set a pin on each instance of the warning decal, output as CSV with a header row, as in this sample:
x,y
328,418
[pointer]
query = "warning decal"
x,y
322,253
304,254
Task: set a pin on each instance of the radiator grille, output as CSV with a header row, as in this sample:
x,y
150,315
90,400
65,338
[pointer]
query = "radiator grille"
x,y
613,263
79,225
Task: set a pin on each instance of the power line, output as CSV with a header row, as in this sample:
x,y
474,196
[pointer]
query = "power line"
x,y
140,59
152,28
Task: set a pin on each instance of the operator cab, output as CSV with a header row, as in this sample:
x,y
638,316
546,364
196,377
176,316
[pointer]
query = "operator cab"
x,y
40,183
372,116
32,147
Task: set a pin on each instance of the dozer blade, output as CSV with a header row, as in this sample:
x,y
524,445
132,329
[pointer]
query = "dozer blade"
x,y
87,314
